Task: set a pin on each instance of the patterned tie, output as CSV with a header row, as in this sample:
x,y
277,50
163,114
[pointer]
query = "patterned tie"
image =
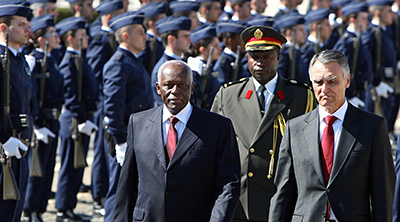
x,y
327,145
261,98
172,137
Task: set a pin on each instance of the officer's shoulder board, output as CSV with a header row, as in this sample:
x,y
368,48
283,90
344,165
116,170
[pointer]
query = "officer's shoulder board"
x,y
235,82
118,56
296,83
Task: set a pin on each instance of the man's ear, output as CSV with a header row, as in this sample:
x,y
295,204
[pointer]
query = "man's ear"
x,y
3,27
158,87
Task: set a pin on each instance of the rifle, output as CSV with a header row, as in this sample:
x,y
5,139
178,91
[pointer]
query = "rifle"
x,y
235,68
378,64
206,74
10,187
108,137
397,45
292,56
354,60
153,54
317,47
79,154
36,169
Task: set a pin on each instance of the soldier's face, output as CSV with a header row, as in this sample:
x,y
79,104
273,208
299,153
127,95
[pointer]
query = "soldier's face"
x,y
300,34
263,64
53,38
214,12
387,16
362,20
19,30
183,41
51,10
85,38
175,87
195,20
329,85
137,38
87,10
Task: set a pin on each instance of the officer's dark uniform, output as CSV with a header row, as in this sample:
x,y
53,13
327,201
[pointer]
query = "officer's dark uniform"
x,y
167,24
126,90
99,51
70,178
20,103
225,63
256,137
39,188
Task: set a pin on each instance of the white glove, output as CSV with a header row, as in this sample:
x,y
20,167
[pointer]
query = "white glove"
x,y
43,134
383,90
87,127
12,146
120,152
355,101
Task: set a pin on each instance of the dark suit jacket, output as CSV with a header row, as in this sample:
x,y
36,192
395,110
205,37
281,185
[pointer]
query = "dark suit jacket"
x,y
200,183
254,134
361,185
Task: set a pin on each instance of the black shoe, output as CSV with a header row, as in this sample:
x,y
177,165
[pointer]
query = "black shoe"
x,y
98,207
69,216
52,195
27,217
84,188
32,217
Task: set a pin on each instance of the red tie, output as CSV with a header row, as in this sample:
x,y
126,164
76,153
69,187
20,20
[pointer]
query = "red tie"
x,y
172,137
327,145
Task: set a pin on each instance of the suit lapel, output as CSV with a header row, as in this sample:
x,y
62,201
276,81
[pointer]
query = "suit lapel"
x,y
154,132
250,102
348,136
275,107
311,136
189,137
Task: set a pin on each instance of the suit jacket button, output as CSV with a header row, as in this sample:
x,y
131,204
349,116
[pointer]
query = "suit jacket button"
x,y
167,194
328,190
250,174
252,150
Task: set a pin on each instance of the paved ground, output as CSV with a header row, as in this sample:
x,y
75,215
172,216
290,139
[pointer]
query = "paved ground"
x,y
85,201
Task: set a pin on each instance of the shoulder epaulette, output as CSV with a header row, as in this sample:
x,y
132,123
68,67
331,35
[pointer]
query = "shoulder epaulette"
x,y
118,56
295,82
235,82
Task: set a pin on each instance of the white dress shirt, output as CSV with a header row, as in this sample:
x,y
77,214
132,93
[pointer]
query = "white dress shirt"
x,y
183,117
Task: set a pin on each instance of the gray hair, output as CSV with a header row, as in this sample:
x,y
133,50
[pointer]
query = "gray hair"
x,y
328,56
175,62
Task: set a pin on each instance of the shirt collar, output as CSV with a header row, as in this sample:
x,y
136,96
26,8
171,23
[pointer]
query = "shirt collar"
x,y
183,116
126,49
42,51
106,29
283,8
70,49
12,50
270,86
171,54
340,113
376,23
230,52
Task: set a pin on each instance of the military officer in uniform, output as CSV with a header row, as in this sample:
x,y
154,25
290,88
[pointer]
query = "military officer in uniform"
x,y
174,31
72,29
99,51
259,106
126,90
360,59
13,21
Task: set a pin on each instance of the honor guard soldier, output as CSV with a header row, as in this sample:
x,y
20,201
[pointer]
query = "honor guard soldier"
x,y
319,30
188,9
100,50
287,6
16,118
153,12
81,95
229,65
336,21
82,8
174,31
379,40
49,92
241,11
210,11
291,66
259,107
360,59
206,51
44,7
257,7
126,90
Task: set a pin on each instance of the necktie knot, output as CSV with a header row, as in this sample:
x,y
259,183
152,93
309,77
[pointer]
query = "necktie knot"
x,y
173,120
330,120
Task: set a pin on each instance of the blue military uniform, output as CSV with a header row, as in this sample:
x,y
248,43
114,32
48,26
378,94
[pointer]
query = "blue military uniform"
x,y
126,90
284,65
99,51
203,99
387,71
363,69
153,42
20,103
70,178
226,61
167,24
39,188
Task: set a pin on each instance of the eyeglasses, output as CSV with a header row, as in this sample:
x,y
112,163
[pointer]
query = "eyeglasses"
x,y
50,34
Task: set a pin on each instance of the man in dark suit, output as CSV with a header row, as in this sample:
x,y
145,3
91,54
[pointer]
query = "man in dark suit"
x,y
335,163
197,181
259,126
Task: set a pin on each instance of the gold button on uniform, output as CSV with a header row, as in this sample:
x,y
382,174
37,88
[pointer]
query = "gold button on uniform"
x,y
252,150
250,174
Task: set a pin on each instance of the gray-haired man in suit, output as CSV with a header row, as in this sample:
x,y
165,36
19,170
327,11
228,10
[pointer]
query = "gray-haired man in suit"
x,y
339,170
